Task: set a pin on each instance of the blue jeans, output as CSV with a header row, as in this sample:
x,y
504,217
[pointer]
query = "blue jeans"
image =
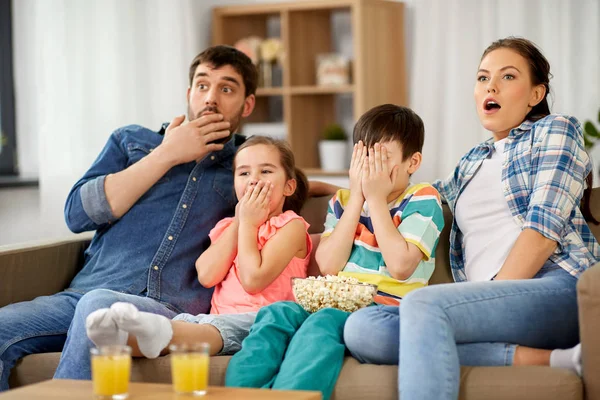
x,y
48,323
475,323
234,328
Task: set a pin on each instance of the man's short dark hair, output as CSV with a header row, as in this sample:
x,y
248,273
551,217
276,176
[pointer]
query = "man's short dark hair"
x,y
218,56
391,122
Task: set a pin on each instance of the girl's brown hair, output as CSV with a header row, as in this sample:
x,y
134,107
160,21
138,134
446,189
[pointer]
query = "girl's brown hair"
x,y
539,68
288,162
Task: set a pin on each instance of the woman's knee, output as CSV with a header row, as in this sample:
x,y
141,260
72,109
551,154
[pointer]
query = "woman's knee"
x,y
430,296
423,304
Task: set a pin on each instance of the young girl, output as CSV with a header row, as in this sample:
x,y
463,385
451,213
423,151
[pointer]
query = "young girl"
x,y
250,261
519,242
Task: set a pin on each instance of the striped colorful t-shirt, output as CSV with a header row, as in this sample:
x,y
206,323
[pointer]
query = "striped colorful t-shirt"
x,y
417,214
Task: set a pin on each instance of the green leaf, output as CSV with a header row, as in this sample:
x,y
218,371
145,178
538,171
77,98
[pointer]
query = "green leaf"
x,y
590,129
334,132
588,144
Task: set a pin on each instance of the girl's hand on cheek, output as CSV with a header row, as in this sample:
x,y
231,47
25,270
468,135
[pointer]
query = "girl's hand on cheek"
x,y
254,208
240,200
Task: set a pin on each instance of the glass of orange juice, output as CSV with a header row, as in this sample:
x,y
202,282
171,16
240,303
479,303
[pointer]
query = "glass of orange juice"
x,y
189,368
111,367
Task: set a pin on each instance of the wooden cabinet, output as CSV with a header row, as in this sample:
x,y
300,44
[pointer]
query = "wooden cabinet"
x,y
306,30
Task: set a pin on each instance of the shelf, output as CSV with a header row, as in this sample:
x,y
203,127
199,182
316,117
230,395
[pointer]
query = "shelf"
x,y
368,32
303,90
320,172
322,89
269,91
250,9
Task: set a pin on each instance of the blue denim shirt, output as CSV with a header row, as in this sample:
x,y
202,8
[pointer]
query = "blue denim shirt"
x,y
152,249
545,164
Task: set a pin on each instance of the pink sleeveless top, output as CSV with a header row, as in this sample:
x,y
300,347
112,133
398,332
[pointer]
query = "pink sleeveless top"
x,y
230,297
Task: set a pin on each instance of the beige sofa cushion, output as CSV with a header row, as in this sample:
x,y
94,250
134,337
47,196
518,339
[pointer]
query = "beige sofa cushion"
x,y
359,381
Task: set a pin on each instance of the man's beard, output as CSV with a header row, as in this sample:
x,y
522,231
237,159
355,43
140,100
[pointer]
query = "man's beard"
x,y
234,122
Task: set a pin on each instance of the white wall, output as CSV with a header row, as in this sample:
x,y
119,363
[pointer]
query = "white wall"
x,y
82,69
19,215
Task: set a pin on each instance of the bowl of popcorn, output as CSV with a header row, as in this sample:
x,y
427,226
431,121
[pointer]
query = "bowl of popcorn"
x,y
342,292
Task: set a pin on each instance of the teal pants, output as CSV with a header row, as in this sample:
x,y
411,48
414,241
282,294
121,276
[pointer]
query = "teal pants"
x,y
289,349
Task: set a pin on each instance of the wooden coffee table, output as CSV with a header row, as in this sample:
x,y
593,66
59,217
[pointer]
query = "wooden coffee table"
x,y
65,389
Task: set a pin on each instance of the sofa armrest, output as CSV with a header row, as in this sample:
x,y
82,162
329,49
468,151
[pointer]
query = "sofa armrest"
x,y
588,298
40,268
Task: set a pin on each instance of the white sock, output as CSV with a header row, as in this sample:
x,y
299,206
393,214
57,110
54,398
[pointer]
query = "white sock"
x,y
102,329
153,331
567,358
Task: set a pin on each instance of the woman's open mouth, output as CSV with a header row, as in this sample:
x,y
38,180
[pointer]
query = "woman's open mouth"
x,y
490,106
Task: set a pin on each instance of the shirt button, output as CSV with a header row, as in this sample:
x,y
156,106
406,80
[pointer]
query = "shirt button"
x,y
194,179
212,158
184,206
156,267
151,150
170,237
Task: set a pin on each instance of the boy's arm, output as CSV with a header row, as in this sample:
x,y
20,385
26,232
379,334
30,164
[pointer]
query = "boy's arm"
x,y
334,250
214,263
400,256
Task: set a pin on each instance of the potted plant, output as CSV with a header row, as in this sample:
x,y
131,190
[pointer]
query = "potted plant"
x,y
333,149
590,137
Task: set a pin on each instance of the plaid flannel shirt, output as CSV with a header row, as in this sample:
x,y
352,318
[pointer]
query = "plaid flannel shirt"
x,y
543,174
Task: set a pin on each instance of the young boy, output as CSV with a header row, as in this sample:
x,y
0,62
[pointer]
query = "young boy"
x,y
383,231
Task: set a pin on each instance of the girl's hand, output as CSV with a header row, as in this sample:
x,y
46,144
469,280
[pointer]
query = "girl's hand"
x,y
239,203
377,180
254,206
359,155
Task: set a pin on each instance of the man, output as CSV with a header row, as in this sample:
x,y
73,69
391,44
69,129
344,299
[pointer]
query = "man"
x,y
152,198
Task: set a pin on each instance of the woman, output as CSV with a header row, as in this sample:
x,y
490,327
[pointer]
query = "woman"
x,y
519,241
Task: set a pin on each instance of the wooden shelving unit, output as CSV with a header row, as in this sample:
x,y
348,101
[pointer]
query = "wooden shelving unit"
x,y
378,63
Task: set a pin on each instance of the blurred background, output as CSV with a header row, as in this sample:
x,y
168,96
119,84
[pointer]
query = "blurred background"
x,y
81,69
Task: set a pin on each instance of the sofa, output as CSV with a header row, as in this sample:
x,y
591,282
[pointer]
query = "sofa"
x,y
31,270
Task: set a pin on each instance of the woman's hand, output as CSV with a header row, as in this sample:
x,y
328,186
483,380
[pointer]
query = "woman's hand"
x,y
377,180
359,155
254,206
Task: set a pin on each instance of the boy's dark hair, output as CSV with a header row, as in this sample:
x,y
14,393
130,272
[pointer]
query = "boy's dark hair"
x,y
218,56
391,122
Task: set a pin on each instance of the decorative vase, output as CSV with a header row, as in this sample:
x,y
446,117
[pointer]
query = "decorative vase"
x,y
333,155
